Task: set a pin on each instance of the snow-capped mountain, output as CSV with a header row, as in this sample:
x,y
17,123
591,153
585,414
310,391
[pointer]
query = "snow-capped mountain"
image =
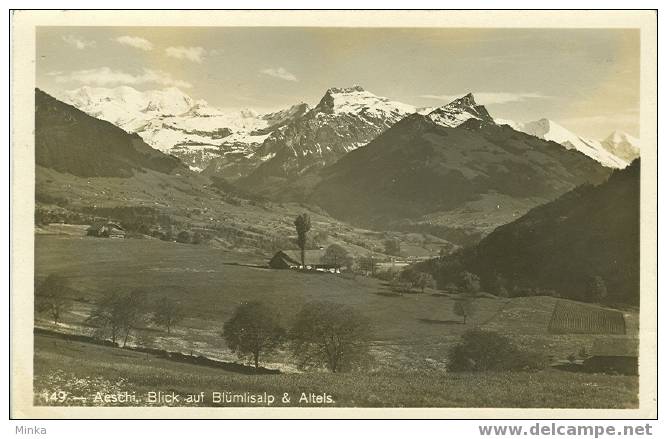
x,y
343,120
173,122
622,145
549,130
459,111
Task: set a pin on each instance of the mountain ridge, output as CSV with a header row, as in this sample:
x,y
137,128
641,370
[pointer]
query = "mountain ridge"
x,y
589,235
69,140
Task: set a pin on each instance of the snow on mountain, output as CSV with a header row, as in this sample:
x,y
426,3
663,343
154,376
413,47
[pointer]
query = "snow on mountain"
x,y
550,130
355,100
344,119
622,145
616,151
171,121
459,111
299,137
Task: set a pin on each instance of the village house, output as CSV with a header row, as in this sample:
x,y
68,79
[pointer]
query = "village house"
x,y
106,230
285,259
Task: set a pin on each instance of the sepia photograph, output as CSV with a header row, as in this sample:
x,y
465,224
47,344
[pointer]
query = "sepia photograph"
x,y
270,212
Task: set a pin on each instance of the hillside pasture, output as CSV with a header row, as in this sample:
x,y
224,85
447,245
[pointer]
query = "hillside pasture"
x,y
83,369
410,331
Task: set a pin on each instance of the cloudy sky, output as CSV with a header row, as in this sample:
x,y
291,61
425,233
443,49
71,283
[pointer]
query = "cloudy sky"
x,y
587,80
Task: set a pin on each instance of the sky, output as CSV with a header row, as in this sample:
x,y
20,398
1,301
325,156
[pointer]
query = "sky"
x,y
585,79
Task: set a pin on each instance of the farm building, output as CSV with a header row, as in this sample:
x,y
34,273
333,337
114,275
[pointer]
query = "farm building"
x,y
284,259
614,355
106,230
578,318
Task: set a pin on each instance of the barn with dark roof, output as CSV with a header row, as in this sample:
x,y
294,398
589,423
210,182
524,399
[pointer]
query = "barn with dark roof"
x,y
614,355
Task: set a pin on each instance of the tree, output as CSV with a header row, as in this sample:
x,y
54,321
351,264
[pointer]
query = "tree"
x,y
465,307
197,238
368,264
183,237
51,297
302,224
416,279
392,247
168,313
253,330
116,315
329,334
495,284
597,289
107,316
469,282
424,280
337,255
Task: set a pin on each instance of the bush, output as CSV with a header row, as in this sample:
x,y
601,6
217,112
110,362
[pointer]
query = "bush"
x,y
385,275
183,237
481,350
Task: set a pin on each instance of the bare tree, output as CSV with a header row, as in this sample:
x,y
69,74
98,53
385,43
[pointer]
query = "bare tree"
x,y
465,307
329,334
302,224
107,316
253,330
51,297
168,313
118,315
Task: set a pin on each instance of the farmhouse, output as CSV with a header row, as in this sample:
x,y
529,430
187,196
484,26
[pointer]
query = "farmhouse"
x,y
578,318
284,259
614,355
106,230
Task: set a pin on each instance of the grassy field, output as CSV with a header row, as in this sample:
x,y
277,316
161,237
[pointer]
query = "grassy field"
x,y
409,331
81,370
412,333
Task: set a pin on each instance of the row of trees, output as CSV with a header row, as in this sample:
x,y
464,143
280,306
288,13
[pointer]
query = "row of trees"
x,y
323,334
115,315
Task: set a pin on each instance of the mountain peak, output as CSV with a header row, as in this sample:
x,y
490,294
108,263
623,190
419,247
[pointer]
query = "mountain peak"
x,y
459,111
618,136
465,101
342,90
549,130
356,100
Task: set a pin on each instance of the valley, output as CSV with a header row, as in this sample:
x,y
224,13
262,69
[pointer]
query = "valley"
x,y
411,338
203,201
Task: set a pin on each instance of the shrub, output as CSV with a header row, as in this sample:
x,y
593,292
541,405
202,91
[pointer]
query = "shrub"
x,y
183,237
385,275
481,350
